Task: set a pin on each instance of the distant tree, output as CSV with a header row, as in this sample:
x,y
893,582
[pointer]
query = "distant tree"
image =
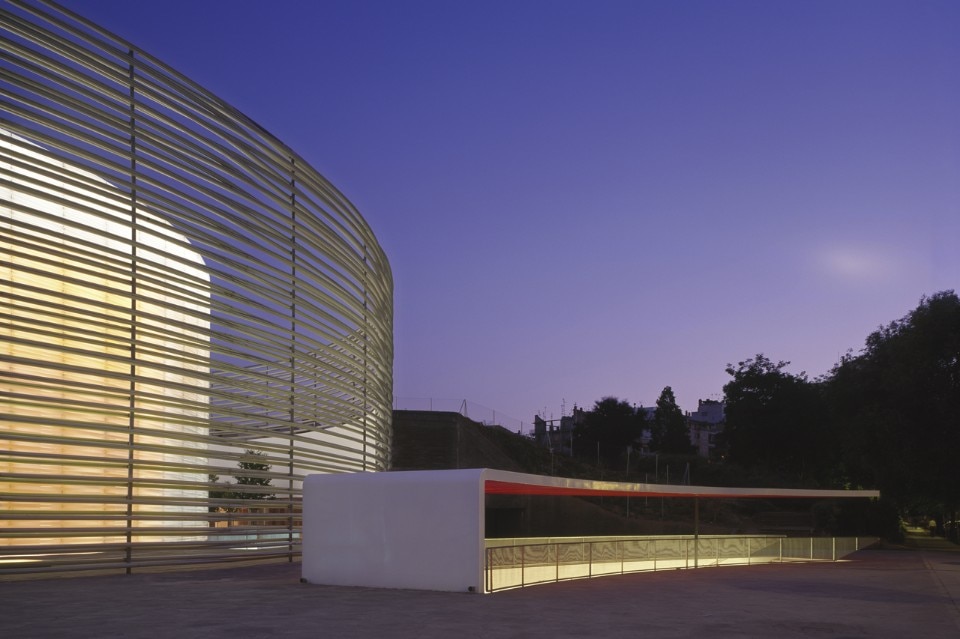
x,y
251,475
897,403
610,427
775,420
882,418
218,494
669,432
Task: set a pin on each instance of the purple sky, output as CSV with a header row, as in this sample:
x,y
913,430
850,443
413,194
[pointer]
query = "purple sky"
x,y
591,198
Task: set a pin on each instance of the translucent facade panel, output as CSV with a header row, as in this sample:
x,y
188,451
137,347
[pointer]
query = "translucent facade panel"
x,y
192,319
517,563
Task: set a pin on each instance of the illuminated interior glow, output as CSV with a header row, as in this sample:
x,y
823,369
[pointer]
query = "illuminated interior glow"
x,y
67,359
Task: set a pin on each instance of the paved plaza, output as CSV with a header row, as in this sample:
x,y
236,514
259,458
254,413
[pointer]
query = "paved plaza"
x,y
878,593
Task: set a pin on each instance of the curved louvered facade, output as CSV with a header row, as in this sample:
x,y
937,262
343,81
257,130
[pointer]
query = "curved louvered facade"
x,y
193,318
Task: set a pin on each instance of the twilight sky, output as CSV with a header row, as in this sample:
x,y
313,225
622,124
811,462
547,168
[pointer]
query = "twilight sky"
x,y
589,198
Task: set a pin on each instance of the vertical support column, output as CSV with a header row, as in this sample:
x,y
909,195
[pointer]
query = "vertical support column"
x,y
556,557
696,533
366,340
523,566
293,352
487,585
132,389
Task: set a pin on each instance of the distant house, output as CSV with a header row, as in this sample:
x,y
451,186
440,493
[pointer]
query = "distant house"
x,y
705,424
558,439
646,434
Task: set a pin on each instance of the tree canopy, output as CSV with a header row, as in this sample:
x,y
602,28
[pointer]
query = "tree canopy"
x,y
610,427
897,402
251,471
885,417
774,419
251,475
669,432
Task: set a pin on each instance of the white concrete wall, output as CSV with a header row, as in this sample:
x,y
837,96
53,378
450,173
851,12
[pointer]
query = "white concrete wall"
x,y
420,529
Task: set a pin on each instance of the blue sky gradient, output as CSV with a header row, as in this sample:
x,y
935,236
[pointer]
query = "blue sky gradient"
x,y
583,199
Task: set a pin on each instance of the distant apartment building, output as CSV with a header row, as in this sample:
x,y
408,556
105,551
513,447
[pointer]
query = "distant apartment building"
x,y
557,434
705,424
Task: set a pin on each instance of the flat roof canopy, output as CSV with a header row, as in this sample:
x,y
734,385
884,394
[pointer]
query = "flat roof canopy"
x,y
501,482
425,529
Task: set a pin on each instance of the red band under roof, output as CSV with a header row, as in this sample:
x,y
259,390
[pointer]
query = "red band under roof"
x,y
498,482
